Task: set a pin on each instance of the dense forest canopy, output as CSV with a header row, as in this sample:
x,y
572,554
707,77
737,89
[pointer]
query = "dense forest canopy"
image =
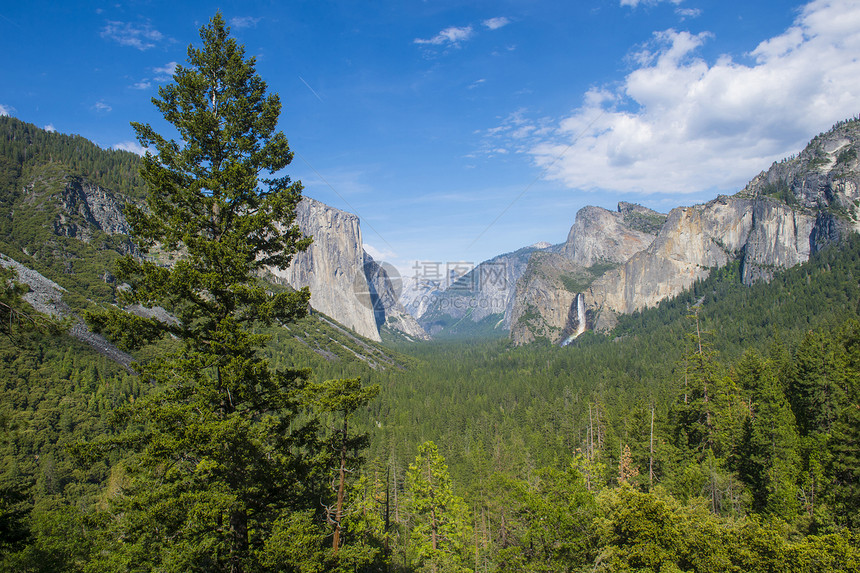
x,y
717,431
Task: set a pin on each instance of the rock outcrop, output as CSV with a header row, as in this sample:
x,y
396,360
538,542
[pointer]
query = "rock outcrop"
x,y
599,235
332,267
548,302
87,207
777,221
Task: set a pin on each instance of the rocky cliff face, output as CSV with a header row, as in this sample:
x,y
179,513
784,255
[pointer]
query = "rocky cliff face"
x,y
333,267
546,295
779,219
86,207
384,297
486,292
599,235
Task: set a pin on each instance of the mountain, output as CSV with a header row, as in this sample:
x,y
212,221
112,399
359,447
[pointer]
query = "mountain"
x,y
618,262
548,303
531,292
778,220
383,295
62,205
345,282
332,267
477,302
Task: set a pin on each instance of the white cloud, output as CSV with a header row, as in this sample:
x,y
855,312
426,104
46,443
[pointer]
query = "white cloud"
x,y
167,69
244,22
140,36
452,36
50,128
131,146
496,23
635,3
102,107
6,109
165,72
142,85
379,255
677,123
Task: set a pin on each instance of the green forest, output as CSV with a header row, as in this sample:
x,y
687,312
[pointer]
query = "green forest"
x,y
718,431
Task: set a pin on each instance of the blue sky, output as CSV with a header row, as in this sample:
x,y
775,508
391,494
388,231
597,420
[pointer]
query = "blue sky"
x,y
462,130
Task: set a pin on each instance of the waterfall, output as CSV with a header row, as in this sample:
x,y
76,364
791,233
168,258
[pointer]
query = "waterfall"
x,y
580,319
580,314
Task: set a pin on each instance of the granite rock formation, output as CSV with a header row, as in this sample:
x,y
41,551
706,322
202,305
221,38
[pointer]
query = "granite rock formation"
x,y
547,302
345,283
777,221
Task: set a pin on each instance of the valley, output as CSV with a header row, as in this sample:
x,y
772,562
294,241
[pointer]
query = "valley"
x,y
634,368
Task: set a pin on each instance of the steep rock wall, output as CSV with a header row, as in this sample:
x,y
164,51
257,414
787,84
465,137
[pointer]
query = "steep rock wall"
x,y
332,267
777,221
383,295
545,304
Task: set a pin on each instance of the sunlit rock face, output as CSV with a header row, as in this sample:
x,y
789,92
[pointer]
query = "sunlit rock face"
x,y
548,302
778,220
332,267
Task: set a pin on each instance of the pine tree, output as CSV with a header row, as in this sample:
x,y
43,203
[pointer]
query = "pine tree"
x,y
342,397
695,407
440,533
222,458
770,460
845,441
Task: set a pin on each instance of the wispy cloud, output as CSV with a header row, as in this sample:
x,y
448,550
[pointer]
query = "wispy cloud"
x,y
678,123
477,83
101,107
142,85
140,36
635,3
496,23
685,13
50,128
165,72
244,22
132,146
6,109
452,36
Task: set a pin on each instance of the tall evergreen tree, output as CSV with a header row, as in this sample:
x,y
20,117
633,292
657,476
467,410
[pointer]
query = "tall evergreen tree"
x,y
222,459
440,533
342,397
770,461
845,441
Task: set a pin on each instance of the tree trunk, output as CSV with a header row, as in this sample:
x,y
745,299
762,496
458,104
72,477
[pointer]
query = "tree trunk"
x,y
651,456
340,489
239,532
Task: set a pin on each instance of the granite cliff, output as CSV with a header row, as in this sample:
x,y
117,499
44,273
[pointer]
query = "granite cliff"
x,y
345,283
59,209
625,261
777,221
547,302
332,267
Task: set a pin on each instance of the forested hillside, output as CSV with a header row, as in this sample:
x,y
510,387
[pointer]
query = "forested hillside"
x,y
524,436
